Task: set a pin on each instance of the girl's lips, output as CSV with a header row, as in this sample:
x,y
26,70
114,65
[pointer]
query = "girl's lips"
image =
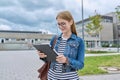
x,y
63,29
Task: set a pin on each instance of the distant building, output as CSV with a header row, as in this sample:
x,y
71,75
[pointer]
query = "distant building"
x,y
19,38
110,33
23,36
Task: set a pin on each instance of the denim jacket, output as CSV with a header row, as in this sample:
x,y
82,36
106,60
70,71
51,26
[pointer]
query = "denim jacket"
x,y
74,51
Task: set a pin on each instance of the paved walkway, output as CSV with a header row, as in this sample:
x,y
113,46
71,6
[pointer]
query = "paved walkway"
x,y
23,65
101,77
19,65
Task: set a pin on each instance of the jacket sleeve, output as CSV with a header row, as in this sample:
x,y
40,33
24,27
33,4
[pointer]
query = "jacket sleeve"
x,y
52,40
79,62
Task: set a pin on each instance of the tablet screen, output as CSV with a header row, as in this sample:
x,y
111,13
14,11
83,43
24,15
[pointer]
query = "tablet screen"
x,y
45,48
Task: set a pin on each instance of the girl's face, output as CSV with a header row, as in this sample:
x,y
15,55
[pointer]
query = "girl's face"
x,y
64,25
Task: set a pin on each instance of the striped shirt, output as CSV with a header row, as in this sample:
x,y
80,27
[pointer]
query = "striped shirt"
x,y
57,73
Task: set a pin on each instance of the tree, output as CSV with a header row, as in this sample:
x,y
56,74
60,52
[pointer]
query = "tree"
x,y
118,11
94,26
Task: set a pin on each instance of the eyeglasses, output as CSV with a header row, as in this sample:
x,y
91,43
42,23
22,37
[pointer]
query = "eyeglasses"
x,y
63,24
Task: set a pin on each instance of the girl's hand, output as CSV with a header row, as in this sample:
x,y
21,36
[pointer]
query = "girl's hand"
x,y
61,59
41,55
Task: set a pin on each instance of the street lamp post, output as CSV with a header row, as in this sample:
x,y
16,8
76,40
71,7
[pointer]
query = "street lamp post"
x,y
82,19
118,37
117,18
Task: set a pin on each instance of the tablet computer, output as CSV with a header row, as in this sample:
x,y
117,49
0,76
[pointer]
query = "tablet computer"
x,y
45,48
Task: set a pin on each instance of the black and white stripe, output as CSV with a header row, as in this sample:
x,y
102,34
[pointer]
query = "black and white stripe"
x,y
62,46
57,73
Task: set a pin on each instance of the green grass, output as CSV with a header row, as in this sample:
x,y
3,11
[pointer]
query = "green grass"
x,y
97,52
92,64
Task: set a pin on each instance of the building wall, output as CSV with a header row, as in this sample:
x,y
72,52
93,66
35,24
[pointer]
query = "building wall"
x,y
107,32
116,24
25,35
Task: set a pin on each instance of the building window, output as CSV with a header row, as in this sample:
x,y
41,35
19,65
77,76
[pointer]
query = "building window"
x,y
32,41
17,39
13,39
119,35
36,39
2,41
118,27
6,39
22,39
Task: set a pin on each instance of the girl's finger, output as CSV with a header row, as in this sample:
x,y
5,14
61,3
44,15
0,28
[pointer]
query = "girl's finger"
x,y
59,56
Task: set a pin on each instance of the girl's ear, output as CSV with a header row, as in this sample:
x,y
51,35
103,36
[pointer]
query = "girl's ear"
x,y
71,22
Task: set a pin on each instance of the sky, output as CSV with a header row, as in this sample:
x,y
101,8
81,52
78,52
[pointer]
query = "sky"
x,y
39,15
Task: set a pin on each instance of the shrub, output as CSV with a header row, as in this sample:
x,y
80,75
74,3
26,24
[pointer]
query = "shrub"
x,y
91,51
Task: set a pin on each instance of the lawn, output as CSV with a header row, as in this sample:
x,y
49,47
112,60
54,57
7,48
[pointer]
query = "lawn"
x,y
96,52
92,64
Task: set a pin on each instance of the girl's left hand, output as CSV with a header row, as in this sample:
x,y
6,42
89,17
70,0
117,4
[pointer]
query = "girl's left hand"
x,y
61,59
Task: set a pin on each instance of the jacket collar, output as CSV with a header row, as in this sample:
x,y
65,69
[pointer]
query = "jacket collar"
x,y
73,36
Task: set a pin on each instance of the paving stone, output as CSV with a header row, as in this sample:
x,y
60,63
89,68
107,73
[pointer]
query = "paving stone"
x,y
23,65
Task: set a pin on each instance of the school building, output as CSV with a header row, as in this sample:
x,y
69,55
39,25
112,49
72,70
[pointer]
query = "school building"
x,y
109,35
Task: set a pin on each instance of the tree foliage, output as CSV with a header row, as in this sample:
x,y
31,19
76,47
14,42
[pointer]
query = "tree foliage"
x,y
94,26
118,11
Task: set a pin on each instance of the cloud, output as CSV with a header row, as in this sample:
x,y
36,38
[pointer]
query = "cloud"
x,y
40,14
100,6
7,3
18,16
32,5
5,27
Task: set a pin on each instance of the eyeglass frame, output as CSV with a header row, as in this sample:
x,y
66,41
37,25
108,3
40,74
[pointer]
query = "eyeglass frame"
x,y
63,24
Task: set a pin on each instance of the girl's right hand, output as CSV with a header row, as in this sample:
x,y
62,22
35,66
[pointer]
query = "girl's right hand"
x,y
41,55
